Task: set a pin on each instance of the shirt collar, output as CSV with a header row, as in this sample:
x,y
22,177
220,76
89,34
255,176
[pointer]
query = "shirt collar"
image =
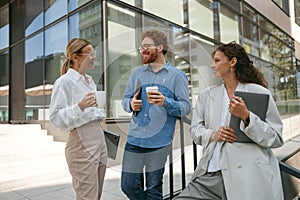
x,y
76,75
165,67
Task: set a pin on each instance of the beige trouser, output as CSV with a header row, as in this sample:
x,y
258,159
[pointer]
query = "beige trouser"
x,y
86,155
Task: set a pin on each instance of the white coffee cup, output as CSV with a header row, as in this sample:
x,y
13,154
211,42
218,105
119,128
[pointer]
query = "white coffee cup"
x,y
100,98
151,89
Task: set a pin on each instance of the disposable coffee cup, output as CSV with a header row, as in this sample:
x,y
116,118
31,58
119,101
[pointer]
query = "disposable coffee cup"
x,y
100,98
151,89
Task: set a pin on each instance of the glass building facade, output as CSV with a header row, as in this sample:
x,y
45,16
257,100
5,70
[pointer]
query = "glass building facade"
x,y
34,35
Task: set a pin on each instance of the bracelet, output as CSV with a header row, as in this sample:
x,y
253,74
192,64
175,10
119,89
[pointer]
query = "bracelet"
x,y
247,120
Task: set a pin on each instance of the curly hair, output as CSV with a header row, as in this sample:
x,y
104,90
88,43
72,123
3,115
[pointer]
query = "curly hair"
x,y
158,38
245,71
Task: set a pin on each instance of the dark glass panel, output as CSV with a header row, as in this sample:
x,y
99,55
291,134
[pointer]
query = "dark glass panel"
x,y
250,39
87,24
55,46
297,11
34,16
249,13
4,86
4,27
73,4
54,9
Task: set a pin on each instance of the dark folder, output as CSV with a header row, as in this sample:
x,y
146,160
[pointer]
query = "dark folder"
x,y
112,143
256,103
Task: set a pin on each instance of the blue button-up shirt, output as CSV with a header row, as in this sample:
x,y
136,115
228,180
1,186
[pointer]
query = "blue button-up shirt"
x,y
154,125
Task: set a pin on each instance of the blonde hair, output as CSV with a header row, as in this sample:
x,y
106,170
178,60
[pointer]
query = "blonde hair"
x,y
74,46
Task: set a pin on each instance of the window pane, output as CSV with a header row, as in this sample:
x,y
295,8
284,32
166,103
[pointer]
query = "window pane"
x,y
229,25
87,24
4,27
54,9
4,88
264,24
283,4
55,42
73,4
265,50
55,45
201,60
34,16
278,2
48,65
34,61
268,71
280,83
297,11
122,56
250,40
201,17
234,4
171,10
298,78
34,76
249,13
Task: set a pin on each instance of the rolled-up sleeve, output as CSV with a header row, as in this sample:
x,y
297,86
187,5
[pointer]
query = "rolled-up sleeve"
x,y
180,105
63,115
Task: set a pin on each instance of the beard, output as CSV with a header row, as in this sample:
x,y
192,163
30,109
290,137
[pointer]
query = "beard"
x,y
150,56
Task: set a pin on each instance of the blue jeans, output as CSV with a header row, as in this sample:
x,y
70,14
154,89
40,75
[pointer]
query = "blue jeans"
x,y
136,161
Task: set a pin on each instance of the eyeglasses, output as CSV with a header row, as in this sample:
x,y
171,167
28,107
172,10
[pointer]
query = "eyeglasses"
x,y
146,46
91,54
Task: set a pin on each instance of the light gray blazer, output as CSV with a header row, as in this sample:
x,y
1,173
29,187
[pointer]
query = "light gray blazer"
x,y
250,170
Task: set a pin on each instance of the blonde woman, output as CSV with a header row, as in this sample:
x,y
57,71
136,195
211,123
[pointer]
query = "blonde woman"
x,y
73,108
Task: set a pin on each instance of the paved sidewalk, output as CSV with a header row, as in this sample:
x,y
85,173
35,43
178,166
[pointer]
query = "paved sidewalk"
x,y
33,167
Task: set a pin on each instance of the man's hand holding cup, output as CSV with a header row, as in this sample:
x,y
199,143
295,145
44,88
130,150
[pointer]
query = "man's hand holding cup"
x,y
154,96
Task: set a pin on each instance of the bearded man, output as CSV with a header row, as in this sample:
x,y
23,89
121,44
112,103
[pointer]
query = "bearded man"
x,y
157,94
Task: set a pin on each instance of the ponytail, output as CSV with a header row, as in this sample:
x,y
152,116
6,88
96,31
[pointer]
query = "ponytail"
x,y
65,67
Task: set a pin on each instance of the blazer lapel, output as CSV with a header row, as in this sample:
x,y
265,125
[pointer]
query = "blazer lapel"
x,y
217,101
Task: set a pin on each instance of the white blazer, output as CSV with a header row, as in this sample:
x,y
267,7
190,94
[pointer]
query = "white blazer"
x,y
250,170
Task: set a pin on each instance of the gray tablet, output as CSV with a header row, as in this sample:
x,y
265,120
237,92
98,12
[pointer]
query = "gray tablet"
x,y
256,103
112,143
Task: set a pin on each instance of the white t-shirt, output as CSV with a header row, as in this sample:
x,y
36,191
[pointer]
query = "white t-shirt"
x,y
214,164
